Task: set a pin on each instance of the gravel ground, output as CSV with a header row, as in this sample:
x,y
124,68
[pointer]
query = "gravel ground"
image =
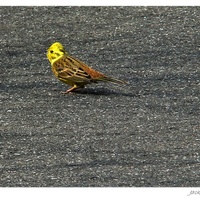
x,y
143,134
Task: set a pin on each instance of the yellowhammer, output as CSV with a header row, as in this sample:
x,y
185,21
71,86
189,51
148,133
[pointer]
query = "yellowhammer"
x,y
72,71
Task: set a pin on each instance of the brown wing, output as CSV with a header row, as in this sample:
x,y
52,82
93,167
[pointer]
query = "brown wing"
x,y
95,75
68,68
74,70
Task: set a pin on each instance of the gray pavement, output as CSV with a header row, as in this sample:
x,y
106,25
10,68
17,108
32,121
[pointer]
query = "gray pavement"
x,y
144,134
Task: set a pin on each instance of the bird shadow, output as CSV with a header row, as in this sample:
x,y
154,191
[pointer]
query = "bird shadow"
x,y
103,92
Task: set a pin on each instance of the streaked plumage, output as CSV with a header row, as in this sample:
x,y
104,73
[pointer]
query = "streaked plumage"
x,y
72,71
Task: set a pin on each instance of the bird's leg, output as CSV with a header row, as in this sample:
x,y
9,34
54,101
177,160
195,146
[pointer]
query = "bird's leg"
x,y
70,90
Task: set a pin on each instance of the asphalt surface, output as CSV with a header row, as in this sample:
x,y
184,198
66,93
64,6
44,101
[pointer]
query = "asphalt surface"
x,y
143,134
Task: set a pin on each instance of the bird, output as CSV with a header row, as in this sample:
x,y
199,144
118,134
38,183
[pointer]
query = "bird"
x,y
72,71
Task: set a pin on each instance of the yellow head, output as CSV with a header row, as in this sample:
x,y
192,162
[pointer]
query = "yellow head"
x,y
55,51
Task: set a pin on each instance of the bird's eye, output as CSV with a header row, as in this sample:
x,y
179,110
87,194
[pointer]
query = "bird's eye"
x,y
51,51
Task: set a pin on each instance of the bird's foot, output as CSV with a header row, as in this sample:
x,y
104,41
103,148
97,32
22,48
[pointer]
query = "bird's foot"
x,y
70,90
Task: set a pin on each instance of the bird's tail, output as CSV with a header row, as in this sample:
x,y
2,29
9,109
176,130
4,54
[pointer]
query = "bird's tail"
x,y
112,80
